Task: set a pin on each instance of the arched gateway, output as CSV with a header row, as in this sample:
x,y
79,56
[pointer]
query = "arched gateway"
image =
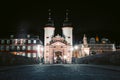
x,y
58,49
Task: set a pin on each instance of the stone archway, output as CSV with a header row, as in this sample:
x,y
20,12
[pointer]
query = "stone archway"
x,y
58,57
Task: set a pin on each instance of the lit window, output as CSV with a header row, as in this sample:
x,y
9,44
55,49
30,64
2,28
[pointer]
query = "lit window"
x,y
34,41
34,47
23,47
29,48
29,54
29,41
16,41
18,47
23,54
21,41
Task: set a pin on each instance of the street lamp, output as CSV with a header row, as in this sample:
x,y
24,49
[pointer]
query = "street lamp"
x,y
75,47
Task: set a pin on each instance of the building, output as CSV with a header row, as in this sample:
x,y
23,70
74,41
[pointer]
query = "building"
x,y
93,46
58,49
28,46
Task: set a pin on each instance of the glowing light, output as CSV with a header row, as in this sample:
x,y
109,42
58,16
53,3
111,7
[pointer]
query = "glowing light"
x,y
72,49
42,48
65,57
76,47
55,58
97,38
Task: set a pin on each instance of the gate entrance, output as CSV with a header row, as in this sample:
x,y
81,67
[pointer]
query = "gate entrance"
x,y
58,57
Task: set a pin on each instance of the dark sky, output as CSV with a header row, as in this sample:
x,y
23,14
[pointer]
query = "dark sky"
x,y
91,18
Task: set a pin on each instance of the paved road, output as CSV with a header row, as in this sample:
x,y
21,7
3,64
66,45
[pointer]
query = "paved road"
x,y
58,72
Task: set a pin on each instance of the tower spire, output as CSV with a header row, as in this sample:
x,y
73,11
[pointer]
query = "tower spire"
x,y
66,22
50,21
85,41
66,18
49,13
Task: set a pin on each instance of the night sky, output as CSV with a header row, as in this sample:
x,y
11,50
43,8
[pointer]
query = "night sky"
x,y
92,18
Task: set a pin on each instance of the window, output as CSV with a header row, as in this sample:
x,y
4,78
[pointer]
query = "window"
x,y
2,47
2,41
12,47
23,47
68,36
47,37
29,54
8,41
29,48
18,47
23,54
29,41
21,41
7,48
34,47
34,41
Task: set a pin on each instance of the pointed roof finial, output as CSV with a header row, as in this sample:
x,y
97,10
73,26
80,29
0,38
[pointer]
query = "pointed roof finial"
x,y
66,15
49,13
67,21
50,21
84,35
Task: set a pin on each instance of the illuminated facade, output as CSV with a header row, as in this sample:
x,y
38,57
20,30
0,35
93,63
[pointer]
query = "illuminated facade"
x,y
58,49
94,46
28,46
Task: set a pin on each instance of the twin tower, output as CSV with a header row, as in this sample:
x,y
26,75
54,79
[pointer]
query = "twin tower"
x,y
49,30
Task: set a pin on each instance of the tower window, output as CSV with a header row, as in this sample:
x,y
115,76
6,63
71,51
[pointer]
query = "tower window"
x,y
47,37
69,37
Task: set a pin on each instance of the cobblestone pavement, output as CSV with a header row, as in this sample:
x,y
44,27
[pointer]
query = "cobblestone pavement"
x,y
58,72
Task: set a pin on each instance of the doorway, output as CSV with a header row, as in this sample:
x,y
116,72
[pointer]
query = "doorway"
x,y
58,57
